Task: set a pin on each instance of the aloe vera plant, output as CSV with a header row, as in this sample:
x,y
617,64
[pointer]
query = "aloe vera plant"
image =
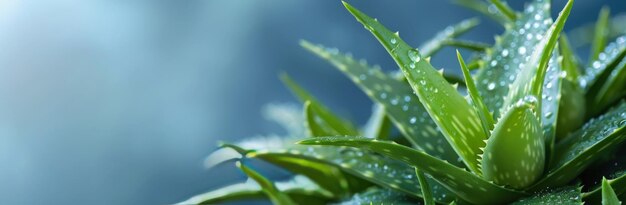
x,y
536,126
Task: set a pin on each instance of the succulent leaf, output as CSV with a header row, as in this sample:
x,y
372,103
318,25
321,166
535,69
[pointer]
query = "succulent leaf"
x,y
453,115
596,74
328,121
601,34
315,124
426,193
488,10
470,45
515,153
485,117
612,90
566,195
504,8
448,34
464,184
268,187
379,125
397,98
614,170
581,148
608,195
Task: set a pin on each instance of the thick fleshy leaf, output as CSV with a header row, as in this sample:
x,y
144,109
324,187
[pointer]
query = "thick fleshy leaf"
x,y
612,90
583,147
324,117
397,98
608,195
451,112
300,189
268,187
515,152
571,63
426,193
379,196
550,102
596,74
615,172
315,124
485,117
565,195
464,184
572,95
440,39
511,53
488,10
601,34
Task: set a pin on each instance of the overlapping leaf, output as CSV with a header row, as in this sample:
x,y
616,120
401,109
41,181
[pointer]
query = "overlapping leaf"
x,y
451,112
608,195
398,100
464,184
566,195
581,148
612,90
443,37
267,186
595,75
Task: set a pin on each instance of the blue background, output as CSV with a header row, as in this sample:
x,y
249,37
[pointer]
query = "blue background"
x,y
118,102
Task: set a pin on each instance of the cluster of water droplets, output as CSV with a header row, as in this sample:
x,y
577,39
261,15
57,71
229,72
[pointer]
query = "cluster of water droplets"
x,y
567,195
611,54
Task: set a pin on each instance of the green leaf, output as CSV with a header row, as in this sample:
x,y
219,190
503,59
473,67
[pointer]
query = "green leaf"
x,y
470,45
584,34
379,196
504,8
332,122
316,125
583,147
442,38
268,187
565,195
464,184
596,74
485,9
601,34
515,152
511,53
615,172
485,117
570,63
608,195
451,112
426,193
572,95
397,98
379,125
300,189
612,90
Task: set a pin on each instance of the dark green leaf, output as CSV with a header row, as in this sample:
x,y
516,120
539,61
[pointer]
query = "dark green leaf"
x,y
566,195
426,193
451,112
595,75
268,187
601,34
612,90
464,184
470,45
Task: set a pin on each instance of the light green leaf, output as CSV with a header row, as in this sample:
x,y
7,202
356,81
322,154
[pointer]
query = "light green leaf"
x,y
451,112
442,38
601,34
570,63
572,95
615,172
596,74
511,53
426,193
483,8
485,117
470,45
300,189
397,98
515,152
331,122
379,196
315,124
464,184
608,195
504,8
379,125
584,34
268,187
583,147
565,195
612,90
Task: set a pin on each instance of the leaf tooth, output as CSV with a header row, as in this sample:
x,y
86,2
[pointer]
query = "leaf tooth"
x,y
455,85
440,71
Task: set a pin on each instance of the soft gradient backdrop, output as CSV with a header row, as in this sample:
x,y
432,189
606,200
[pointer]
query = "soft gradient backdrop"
x,y
118,102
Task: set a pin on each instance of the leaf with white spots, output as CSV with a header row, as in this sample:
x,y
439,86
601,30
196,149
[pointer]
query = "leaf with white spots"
x,y
511,53
329,121
426,193
485,117
612,90
565,195
608,195
581,148
464,184
601,34
379,196
451,112
515,152
442,38
572,95
300,189
268,187
397,98
504,8
596,74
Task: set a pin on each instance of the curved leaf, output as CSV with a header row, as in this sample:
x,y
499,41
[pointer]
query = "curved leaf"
x,y
440,39
612,90
515,152
488,10
268,187
608,195
485,117
464,184
505,9
596,74
451,112
397,98
576,152
379,125
426,193
601,34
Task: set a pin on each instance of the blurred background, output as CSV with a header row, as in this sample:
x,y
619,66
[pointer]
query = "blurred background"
x,y
118,102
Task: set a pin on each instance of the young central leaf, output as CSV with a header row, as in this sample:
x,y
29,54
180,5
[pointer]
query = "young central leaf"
x,y
515,153
456,118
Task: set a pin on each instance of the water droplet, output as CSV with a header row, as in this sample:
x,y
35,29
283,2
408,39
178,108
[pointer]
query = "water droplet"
x,y
596,64
413,120
383,95
521,50
548,114
362,77
393,41
414,55
423,82
505,52
407,98
494,63
412,65
491,86
394,101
